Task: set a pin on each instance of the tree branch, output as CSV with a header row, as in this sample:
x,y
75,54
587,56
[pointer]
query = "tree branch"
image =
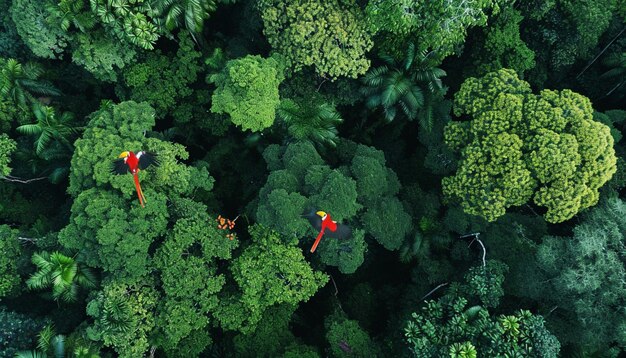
x,y
601,52
13,179
433,290
476,235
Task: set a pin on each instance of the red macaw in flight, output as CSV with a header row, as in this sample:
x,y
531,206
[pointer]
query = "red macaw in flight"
x,y
322,221
129,162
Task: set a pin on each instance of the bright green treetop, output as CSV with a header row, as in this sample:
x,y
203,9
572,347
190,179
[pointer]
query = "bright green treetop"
x,y
247,90
268,272
107,224
330,35
188,264
520,146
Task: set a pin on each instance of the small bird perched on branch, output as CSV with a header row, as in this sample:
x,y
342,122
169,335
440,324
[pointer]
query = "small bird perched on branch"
x,y
321,221
129,162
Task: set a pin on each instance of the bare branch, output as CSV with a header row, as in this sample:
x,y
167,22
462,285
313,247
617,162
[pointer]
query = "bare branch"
x,y
20,180
334,284
601,52
484,250
27,239
433,290
476,235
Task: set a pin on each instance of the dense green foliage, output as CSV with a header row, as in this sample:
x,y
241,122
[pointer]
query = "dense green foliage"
x,y
330,35
520,146
474,149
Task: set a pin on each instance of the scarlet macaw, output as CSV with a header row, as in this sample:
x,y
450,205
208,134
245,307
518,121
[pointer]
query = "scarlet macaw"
x,y
322,221
130,162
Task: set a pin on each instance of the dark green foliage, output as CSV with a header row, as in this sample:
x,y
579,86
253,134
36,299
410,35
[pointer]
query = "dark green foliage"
x,y
347,339
7,146
435,26
17,332
271,335
360,193
310,120
62,273
31,19
101,55
123,316
411,86
163,81
583,276
563,31
49,127
449,326
10,248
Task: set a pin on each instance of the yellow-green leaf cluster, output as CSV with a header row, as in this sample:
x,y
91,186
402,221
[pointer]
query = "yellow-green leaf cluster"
x,y
519,146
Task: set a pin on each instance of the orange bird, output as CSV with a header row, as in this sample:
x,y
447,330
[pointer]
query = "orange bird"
x,y
129,162
322,221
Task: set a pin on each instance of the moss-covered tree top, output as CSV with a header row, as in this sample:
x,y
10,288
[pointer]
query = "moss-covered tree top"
x,y
519,146
332,35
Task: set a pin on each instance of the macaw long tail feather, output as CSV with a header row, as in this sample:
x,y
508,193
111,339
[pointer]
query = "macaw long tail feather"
x,y
317,241
139,192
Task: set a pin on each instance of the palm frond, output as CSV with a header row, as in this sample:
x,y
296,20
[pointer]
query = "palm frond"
x,y
30,129
44,337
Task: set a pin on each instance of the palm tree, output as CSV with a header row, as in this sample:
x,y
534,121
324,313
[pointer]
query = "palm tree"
x,y
63,273
20,83
190,12
412,85
70,12
313,121
49,127
50,344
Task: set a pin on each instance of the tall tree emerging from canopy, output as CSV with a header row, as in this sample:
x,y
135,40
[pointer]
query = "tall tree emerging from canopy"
x,y
247,90
519,146
330,35
106,225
